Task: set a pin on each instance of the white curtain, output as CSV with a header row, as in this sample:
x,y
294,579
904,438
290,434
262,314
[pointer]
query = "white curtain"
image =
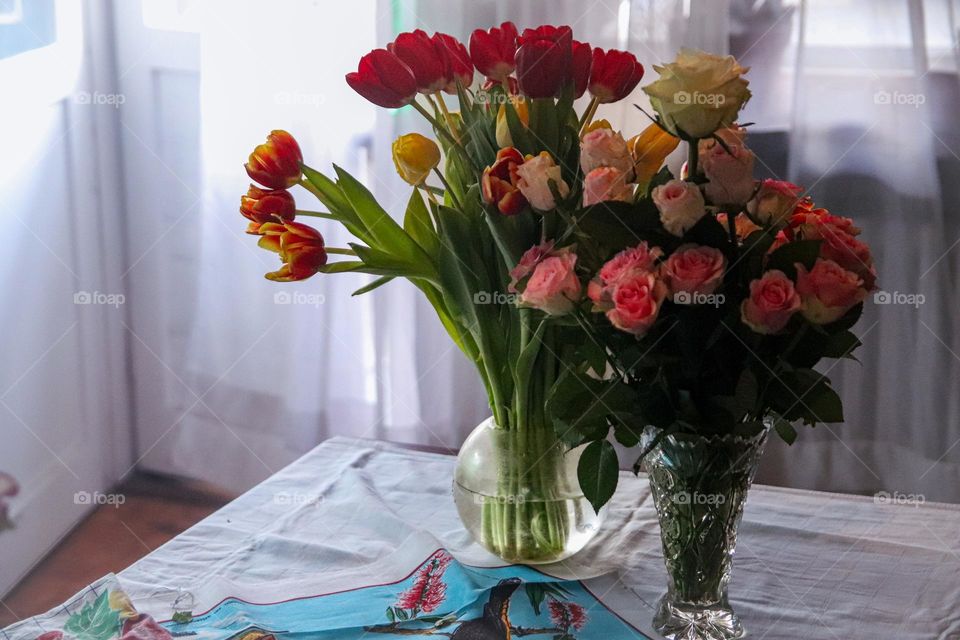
x,y
283,377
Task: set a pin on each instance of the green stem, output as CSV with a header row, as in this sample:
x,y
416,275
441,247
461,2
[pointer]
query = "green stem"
x,y
693,158
340,252
446,186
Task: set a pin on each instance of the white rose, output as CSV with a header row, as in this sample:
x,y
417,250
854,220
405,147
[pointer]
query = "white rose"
x,y
698,93
605,148
680,205
535,175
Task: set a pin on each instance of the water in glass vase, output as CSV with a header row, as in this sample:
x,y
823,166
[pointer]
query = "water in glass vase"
x,y
517,494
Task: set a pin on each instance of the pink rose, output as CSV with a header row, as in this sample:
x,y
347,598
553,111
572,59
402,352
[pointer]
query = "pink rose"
x,y
534,177
636,302
639,258
742,225
848,252
694,269
773,301
530,259
680,205
605,148
828,291
554,287
604,184
730,174
774,202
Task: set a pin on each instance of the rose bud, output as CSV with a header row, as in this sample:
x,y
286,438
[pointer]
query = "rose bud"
x,y
534,177
498,184
276,163
636,301
300,247
544,61
614,75
605,147
261,206
383,79
582,61
530,259
773,301
493,52
553,286
605,184
420,53
693,269
415,156
680,205
828,291
774,202
459,68
649,150
504,139
730,174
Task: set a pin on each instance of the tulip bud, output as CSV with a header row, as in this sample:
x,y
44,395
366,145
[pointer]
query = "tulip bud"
x,y
261,206
649,149
415,156
494,51
459,68
582,61
504,139
614,75
276,162
423,56
498,185
300,247
383,79
545,61
597,124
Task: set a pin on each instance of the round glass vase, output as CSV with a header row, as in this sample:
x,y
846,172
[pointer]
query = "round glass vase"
x,y
518,495
699,487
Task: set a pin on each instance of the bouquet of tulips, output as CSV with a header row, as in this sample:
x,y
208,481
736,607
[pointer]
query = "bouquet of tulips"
x,y
592,289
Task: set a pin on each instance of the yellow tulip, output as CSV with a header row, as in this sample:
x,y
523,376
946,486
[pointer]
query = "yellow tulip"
x,y
504,139
597,124
415,156
649,149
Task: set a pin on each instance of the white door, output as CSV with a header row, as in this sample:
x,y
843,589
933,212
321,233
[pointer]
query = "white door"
x,y
63,393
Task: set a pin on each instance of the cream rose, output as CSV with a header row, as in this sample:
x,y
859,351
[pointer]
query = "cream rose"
x,y
535,175
604,184
774,202
730,174
698,93
680,205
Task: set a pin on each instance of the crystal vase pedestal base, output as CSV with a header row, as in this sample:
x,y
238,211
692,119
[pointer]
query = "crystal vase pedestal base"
x,y
679,621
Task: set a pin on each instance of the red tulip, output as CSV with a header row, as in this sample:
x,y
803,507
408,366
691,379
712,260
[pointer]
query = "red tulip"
x,y
260,206
276,163
582,62
459,68
498,185
383,79
614,75
544,61
300,247
494,51
422,55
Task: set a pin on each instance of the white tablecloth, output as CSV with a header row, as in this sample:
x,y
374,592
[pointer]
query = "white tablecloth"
x,y
808,565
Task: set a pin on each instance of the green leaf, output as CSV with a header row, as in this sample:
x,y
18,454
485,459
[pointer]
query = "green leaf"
x,y
786,257
389,264
785,430
327,191
379,282
824,404
840,345
535,593
598,473
419,226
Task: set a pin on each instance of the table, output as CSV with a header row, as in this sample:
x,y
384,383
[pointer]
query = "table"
x,y
809,565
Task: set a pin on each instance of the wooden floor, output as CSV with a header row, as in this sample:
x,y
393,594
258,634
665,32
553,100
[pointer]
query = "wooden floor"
x,y
156,509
